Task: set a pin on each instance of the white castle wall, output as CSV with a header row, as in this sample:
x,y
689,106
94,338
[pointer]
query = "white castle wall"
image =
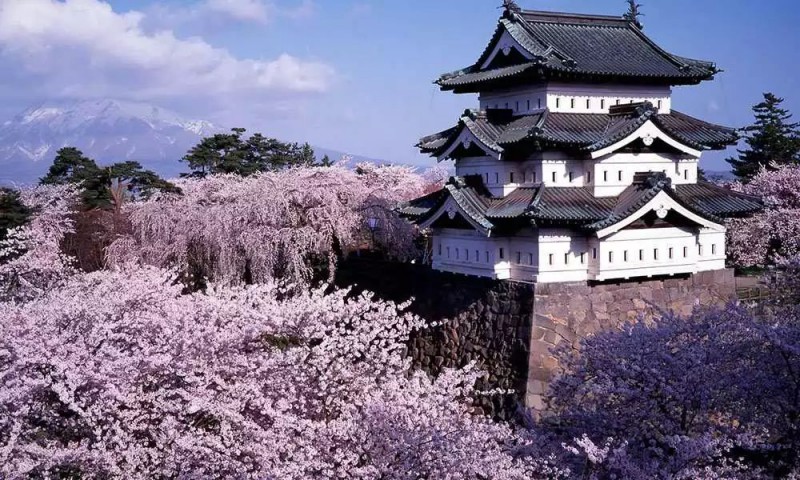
x,y
609,175
575,98
559,255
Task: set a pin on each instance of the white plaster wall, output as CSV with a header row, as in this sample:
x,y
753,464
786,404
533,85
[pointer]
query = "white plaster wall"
x,y
657,251
614,173
711,250
575,98
563,256
470,253
497,175
560,255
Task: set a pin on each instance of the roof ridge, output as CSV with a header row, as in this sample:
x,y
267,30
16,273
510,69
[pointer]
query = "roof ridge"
x,y
551,16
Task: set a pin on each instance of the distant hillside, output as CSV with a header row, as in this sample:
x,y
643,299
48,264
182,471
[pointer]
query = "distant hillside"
x,y
108,131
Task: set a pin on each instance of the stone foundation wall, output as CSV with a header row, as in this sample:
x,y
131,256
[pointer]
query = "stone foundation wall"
x,y
485,321
508,328
569,312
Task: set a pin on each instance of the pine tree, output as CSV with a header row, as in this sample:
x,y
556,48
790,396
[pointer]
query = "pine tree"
x,y
13,213
772,140
231,153
72,166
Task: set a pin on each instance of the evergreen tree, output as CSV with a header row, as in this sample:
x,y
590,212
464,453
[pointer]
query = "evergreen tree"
x,y
772,140
71,166
13,213
231,153
326,161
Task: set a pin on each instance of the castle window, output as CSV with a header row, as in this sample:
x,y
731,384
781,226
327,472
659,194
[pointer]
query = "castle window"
x,y
440,249
506,105
448,252
571,103
516,106
589,177
457,256
619,175
700,250
605,175
566,259
502,254
685,252
570,176
671,253
655,254
686,174
466,254
530,259
529,104
602,103
477,256
610,257
487,256
641,255
496,177
533,175
625,256
583,258
594,253
550,259
487,178
659,104
539,102
558,102
554,177
519,258
511,177
588,103
713,249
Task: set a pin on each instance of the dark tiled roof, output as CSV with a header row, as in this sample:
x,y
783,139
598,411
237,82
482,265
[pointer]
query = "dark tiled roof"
x,y
719,201
577,207
498,130
572,45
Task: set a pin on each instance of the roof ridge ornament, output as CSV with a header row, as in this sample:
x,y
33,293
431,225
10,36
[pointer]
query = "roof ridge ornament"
x,y
633,14
510,6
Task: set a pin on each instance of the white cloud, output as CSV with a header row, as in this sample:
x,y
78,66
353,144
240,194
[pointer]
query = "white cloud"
x,y
82,48
246,10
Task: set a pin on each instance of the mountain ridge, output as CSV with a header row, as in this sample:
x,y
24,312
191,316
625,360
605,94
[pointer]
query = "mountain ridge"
x,y
106,130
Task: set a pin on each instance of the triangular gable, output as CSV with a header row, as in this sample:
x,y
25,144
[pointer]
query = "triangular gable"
x,y
648,133
504,45
460,203
467,139
662,203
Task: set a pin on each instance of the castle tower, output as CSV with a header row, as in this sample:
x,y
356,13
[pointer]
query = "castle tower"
x,y
575,166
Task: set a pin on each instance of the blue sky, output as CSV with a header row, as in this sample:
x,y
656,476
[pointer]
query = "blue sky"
x,y
353,75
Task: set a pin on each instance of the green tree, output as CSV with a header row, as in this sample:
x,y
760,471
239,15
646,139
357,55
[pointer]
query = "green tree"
x,y
232,153
13,213
326,161
772,140
71,166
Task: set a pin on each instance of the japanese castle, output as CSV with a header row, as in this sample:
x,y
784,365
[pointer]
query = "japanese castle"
x,y
575,167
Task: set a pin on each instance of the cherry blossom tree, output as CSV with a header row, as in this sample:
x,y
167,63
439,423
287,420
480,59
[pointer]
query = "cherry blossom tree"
x,y
278,224
119,374
31,260
773,234
712,395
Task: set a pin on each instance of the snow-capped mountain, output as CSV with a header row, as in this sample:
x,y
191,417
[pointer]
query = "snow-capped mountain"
x,y
105,130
